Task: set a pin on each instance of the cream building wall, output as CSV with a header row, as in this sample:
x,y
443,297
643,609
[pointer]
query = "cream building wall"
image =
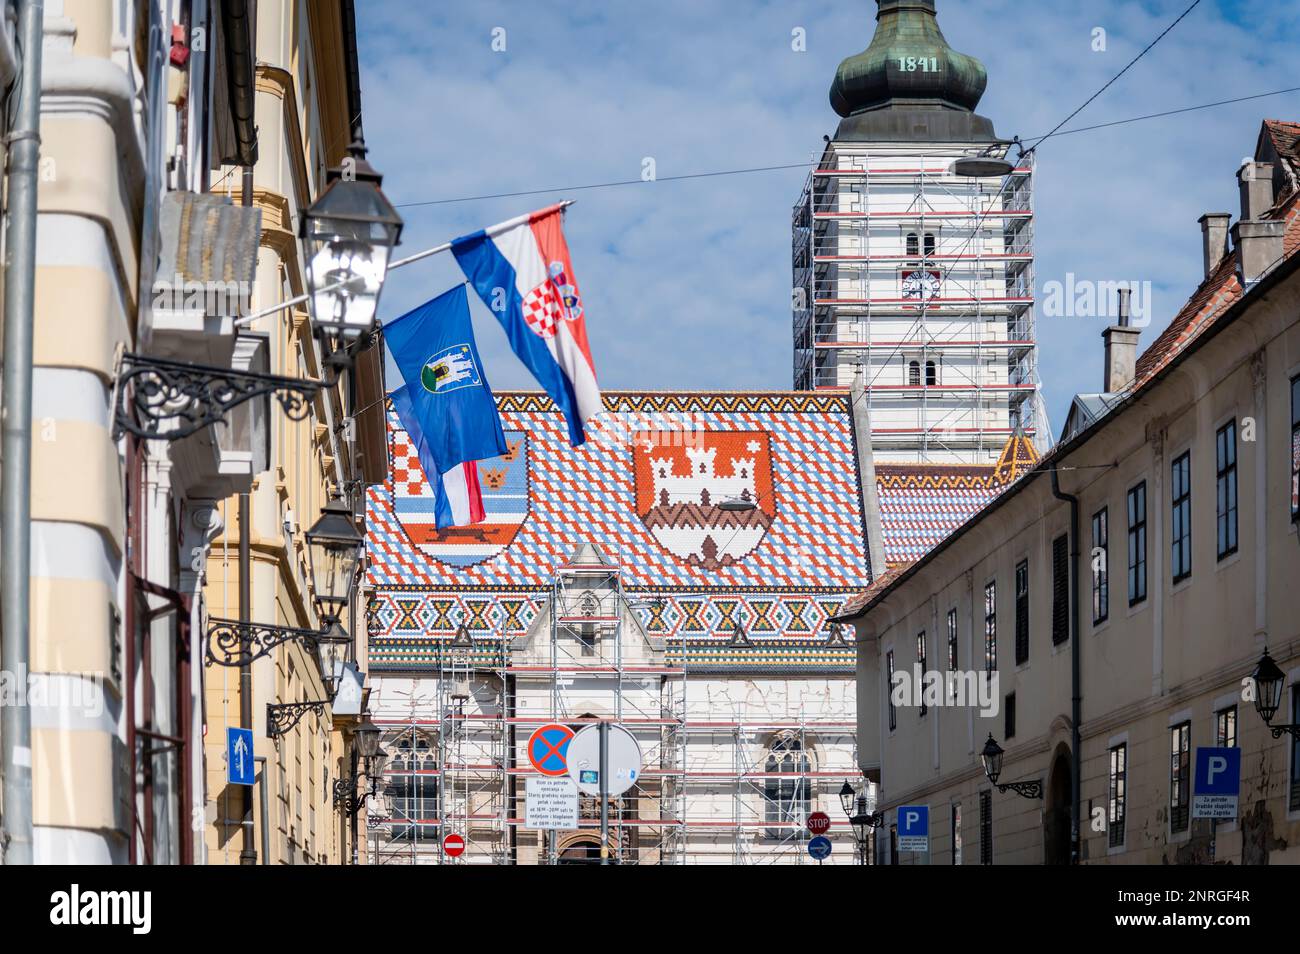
x,y
1180,654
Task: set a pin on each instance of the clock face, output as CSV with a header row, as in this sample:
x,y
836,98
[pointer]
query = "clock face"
x,y
920,285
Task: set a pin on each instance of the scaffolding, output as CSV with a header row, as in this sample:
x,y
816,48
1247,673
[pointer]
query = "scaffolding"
x,y
719,783
924,280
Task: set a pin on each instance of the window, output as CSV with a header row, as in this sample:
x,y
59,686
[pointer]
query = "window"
x,y
1009,716
920,658
954,822
986,827
1180,522
1137,544
412,779
1060,589
931,374
893,844
1225,488
914,373
1180,740
787,800
1100,566
1022,612
913,244
929,244
1293,801
952,647
1118,791
889,689
990,626
1295,448
1225,728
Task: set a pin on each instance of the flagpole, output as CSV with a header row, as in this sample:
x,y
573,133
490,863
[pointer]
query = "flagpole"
x,y
298,300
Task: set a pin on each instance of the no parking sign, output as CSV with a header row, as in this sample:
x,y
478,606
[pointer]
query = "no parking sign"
x,y
548,749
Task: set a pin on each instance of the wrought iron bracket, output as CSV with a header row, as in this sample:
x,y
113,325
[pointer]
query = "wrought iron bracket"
x,y
282,717
165,400
228,642
1030,789
346,797
1292,730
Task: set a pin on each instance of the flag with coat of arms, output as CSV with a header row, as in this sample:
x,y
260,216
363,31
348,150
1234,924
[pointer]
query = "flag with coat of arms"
x,y
522,271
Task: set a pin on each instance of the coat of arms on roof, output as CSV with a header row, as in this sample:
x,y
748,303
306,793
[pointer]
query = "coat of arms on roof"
x,y
504,484
683,476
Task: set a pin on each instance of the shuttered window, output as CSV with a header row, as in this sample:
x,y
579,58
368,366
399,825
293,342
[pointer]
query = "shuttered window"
x,y
1022,612
986,828
1060,589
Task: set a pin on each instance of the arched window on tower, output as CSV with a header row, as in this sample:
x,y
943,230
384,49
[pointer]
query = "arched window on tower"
x,y
913,244
931,374
787,792
411,778
914,373
929,244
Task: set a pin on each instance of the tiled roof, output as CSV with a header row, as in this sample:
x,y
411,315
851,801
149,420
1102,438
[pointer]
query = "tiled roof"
x,y
920,504
644,491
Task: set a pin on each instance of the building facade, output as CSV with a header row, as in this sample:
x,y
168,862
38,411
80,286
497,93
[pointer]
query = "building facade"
x,y
606,583
179,141
910,268
1116,599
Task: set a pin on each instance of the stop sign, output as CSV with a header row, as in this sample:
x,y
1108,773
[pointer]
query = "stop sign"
x,y
819,823
454,845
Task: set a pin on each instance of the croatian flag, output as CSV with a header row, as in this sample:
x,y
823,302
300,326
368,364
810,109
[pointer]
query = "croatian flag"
x,y
521,270
458,502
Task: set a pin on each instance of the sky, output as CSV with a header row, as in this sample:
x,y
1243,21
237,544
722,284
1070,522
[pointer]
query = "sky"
x,y
686,284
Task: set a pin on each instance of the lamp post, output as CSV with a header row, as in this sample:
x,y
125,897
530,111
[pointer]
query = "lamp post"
x,y
992,759
862,820
348,234
1269,683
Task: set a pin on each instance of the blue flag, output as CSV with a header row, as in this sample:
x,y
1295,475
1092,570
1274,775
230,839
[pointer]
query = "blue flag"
x,y
458,499
450,399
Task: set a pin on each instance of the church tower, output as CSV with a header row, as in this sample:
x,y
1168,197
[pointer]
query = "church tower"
x,y
913,252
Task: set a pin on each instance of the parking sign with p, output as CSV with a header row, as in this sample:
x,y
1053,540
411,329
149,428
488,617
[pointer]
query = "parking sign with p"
x,y
913,827
1216,783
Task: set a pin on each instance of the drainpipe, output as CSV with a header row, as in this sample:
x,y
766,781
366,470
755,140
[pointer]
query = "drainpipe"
x,y
16,435
1076,691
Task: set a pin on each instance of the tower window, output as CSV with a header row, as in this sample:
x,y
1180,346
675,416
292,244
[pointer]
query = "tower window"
x,y
931,374
913,244
929,244
914,373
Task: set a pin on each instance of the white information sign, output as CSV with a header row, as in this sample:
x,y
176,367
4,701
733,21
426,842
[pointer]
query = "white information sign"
x,y
550,803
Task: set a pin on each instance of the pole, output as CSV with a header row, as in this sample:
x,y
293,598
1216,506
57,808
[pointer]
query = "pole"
x,y
247,853
16,439
604,792
418,256
266,811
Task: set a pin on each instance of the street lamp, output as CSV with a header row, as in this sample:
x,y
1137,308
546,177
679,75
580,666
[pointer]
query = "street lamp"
x,y
992,759
373,759
862,820
1269,682
348,234
333,551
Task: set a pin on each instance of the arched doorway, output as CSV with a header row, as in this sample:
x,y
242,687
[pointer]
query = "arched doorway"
x,y
580,853
1056,814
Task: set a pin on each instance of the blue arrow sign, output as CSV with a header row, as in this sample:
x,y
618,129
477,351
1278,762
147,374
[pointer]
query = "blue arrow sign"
x,y
1216,782
913,827
819,847
240,768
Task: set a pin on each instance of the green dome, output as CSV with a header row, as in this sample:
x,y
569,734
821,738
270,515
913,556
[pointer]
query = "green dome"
x,y
909,66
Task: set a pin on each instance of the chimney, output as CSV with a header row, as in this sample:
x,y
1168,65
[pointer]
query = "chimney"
x,y
1121,348
1259,248
1214,239
1256,181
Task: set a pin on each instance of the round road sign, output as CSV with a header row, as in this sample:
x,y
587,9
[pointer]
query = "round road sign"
x,y
819,847
819,823
454,845
548,749
624,760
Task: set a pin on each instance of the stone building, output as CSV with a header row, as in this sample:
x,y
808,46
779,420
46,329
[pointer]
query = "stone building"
x,y
1121,593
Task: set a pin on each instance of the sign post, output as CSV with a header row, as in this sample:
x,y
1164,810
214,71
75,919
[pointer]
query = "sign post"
x,y
914,828
604,760
1216,785
239,756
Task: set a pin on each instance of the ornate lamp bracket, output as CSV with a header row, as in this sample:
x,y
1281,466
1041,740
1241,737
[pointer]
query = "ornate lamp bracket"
x,y
281,718
159,399
232,643
1030,789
